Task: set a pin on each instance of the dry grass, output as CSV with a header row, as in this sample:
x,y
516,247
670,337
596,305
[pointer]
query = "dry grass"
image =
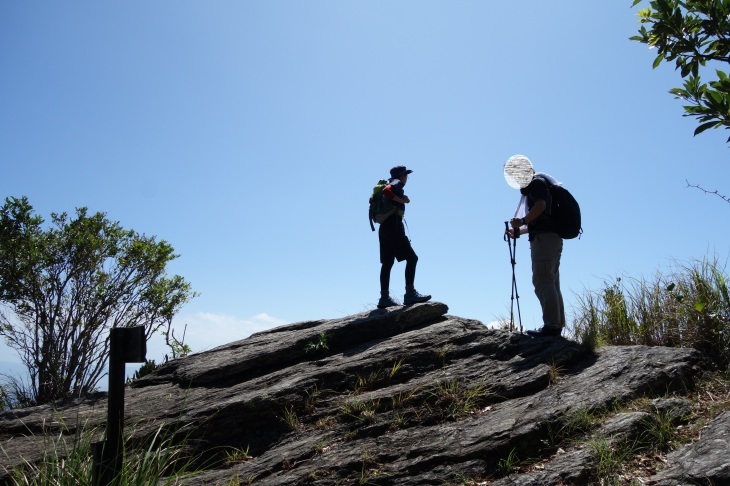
x,y
689,307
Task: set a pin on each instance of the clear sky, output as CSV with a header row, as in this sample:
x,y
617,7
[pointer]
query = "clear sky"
x,y
249,135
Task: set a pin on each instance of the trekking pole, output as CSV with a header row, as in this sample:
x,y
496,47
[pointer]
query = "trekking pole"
x,y
515,294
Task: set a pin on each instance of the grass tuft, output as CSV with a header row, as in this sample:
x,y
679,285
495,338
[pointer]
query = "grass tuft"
x,y
67,461
689,307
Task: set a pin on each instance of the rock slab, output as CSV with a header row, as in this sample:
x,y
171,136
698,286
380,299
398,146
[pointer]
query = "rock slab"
x,y
407,396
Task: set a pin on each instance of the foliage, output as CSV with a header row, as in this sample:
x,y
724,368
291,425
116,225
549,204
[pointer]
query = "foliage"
x,y
291,419
659,433
688,308
178,348
148,367
506,465
695,35
609,458
455,398
15,393
67,461
320,344
66,284
237,455
361,410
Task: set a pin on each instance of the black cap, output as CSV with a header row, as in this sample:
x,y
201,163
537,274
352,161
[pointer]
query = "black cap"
x,y
398,171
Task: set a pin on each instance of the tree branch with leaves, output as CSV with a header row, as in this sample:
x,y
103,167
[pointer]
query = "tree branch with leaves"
x,y
63,286
695,35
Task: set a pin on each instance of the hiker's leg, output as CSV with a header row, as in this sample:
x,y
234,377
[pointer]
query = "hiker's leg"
x,y
545,250
411,263
412,296
561,306
387,255
404,251
386,300
385,268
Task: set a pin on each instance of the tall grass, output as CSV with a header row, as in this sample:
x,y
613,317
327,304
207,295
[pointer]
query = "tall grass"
x,y
67,461
689,307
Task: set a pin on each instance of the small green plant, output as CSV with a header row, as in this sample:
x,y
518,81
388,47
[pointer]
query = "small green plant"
x,y
403,398
443,352
352,407
659,433
320,344
178,348
609,459
363,410
310,402
587,323
325,423
604,457
237,456
363,383
578,421
321,446
507,465
621,325
370,467
371,409
394,369
291,419
234,481
454,399
399,421
554,372
237,481
148,367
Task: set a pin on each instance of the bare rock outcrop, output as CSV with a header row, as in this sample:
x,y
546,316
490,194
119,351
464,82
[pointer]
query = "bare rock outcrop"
x,y
408,396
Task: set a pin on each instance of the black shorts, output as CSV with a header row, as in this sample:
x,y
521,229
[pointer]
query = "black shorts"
x,y
393,241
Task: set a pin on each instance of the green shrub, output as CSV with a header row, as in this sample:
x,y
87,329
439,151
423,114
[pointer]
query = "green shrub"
x,y
689,308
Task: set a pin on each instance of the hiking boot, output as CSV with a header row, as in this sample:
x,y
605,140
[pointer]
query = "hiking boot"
x,y
545,332
387,301
413,297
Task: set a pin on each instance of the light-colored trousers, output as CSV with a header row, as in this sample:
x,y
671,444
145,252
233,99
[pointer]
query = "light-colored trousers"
x,y
545,250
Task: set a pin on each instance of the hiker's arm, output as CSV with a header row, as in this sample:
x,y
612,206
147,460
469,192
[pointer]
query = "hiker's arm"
x,y
388,192
537,209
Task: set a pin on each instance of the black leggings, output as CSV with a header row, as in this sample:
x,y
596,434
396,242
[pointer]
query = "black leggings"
x,y
385,268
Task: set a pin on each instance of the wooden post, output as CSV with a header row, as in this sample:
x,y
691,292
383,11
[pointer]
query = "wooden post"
x,y
126,345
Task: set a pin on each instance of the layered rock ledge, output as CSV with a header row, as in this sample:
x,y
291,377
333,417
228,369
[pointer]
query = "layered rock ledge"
x,y
407,396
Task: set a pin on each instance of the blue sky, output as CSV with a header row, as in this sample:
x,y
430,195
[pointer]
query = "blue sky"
x,y
249,135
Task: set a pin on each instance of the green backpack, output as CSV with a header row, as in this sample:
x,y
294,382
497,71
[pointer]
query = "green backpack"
x,y
380,207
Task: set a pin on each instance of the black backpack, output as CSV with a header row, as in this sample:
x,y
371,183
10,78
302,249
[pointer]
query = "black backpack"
x,y
564,212
380,208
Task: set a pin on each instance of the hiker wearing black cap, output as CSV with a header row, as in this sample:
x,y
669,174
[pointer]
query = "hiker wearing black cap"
x,y
395,245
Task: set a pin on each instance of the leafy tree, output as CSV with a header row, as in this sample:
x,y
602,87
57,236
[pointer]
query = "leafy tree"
x,y
695,35
66,284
